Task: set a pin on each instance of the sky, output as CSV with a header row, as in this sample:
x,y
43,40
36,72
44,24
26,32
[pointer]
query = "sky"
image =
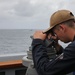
x,y
30,14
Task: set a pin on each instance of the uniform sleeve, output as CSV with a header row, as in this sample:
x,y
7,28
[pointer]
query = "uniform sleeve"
x,y
59,65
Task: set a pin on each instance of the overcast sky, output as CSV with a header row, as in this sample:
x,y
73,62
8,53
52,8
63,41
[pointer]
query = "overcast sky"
x,y
30,14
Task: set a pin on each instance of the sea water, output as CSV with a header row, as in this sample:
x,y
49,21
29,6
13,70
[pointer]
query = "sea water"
x,y
15,40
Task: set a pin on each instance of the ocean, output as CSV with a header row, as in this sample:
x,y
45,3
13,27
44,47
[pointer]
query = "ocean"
x,y
15,40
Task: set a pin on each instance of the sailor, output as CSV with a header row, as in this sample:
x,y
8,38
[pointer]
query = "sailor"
x,y
62,27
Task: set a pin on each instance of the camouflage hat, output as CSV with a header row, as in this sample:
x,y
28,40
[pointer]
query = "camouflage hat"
x,y
59,17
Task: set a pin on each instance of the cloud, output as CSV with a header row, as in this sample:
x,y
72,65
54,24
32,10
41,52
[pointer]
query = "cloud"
x,y
30,13
29,8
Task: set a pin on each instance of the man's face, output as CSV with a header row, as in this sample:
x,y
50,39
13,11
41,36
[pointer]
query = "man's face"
x,y
61,33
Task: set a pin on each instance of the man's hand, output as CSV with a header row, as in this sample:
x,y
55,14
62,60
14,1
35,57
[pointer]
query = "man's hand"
x,y
43,36
39,35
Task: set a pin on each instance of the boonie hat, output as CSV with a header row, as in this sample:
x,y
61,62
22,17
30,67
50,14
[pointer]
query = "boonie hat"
x,y
59,17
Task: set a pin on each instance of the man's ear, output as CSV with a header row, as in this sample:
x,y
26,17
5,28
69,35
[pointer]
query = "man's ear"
x,y
63,27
